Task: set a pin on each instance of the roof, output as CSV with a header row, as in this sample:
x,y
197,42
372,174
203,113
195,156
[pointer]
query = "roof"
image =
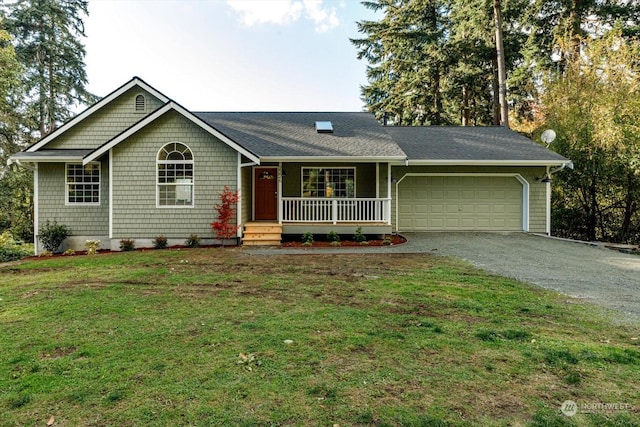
x,y
51,156
344,137
282,136
470,145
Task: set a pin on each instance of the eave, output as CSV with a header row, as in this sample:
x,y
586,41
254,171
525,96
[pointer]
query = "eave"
x,y
460,162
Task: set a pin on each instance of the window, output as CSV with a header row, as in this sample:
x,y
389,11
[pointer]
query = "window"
x,y
83,184
328,182
175,175
141,104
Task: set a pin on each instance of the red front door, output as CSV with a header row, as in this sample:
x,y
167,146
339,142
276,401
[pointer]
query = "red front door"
x,y
266,194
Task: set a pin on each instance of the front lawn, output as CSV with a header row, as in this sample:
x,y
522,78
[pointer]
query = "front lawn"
x,y
225,337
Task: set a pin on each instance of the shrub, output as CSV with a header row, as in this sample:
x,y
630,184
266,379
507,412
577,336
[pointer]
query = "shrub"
x,y
69,252
359,236
159,242
127,245
192,241
223,227
333,236
307,238
92,246
12,249
52,235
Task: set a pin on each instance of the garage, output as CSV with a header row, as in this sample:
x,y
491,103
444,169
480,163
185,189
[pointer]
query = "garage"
x,y
461,202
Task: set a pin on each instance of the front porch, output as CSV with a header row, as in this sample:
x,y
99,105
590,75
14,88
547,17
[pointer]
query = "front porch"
x,y
319,216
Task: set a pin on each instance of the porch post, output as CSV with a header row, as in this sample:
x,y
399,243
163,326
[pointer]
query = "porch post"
x,y
389,199
334,211
280,206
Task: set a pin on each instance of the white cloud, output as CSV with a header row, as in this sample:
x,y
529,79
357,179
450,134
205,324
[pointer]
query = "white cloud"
x,y
282,12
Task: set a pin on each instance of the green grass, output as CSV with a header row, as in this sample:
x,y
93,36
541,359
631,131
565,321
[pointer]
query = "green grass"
x,y
197,337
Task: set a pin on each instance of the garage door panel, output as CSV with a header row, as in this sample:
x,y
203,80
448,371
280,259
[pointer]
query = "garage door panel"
x,y
460,203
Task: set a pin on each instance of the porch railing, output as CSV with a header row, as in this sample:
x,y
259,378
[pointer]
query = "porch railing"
x,y
307,209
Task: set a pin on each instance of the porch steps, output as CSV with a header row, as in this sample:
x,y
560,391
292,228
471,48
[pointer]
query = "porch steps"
x,y
262,234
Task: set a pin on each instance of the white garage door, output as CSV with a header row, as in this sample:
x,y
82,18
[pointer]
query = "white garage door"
x,y
438,203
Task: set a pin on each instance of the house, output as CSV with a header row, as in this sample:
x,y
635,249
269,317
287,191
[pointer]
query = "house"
x,y
136,165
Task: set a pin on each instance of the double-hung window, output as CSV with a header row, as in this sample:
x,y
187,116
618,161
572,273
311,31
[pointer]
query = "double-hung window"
x,y
83,184
329,182
175,175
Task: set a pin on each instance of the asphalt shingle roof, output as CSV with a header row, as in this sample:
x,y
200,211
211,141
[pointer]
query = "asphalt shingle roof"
x,y
468,143
276,134
294,134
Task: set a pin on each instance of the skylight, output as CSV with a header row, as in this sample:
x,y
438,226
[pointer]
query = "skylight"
x,y
324,127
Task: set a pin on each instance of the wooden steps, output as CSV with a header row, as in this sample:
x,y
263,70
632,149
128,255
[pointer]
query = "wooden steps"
x,y
262,234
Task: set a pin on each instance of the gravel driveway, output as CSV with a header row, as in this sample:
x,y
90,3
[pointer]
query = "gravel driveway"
x,y
580,270
602,276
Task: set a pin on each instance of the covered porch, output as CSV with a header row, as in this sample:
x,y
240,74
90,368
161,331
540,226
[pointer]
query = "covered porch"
x,y
296,198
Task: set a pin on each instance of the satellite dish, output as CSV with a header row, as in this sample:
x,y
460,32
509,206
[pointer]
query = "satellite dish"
x,y
548,136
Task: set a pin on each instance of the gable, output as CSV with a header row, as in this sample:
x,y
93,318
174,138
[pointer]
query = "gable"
x,y
80,131
106,123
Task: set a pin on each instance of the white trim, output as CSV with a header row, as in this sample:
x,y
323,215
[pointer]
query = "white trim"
x,y
239,230
136,81
517,176
279,195
67,183
169,106
193,177
332,159
389,192
461,162
111,194
36,205
377,180
548,208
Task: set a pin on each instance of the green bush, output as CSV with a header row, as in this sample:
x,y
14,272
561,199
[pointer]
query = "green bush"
x,y
52,234
159,242
359,236
12,249
333,236
127,245
307,238
192,241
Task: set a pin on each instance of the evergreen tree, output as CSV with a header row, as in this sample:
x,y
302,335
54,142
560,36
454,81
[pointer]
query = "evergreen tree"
x,y
47,42
406,53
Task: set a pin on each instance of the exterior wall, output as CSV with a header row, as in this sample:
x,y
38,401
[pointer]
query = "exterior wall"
x,y
105,123
246,198
365,177
86,222
537,190
135,213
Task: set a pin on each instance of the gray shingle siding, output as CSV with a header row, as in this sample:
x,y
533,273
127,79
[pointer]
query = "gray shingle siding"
x,y
83,220
135,214
105,123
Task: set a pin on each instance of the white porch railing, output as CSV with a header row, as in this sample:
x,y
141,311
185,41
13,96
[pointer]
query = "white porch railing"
x,y
307,209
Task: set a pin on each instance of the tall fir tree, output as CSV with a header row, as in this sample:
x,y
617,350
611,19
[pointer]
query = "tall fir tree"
x,y
405,50
48,43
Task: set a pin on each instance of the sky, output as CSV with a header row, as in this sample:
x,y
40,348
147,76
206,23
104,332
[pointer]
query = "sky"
x,y
230,55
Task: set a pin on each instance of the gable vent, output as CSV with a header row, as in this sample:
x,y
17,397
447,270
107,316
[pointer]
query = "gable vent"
x,y
141,103
324,127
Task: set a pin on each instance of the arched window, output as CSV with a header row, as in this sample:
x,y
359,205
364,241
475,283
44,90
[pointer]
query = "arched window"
x,y
141,104
175,175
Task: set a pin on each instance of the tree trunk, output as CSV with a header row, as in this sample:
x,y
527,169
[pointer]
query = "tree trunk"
x,y
502,72
465,106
